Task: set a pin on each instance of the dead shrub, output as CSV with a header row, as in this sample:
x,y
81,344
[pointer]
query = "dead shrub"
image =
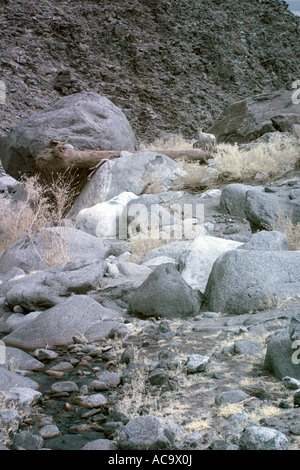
x,y
43,207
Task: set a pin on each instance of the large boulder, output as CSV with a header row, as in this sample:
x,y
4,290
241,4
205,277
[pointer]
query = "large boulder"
x,y
267,241
77,316
165,294
137,173
233,198
47,288
243,281
283,351
171,215
85,120
196,262
263,438
253,117
262,206
145,433
52,246
10,379
106,219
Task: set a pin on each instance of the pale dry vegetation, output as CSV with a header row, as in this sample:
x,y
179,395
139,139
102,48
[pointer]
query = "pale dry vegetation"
x,y
259,163
44,206
284,224
169,141
233,163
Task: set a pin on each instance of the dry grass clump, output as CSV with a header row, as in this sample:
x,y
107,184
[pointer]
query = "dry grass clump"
x,y
9,430
169,141
43,207
263,161
139,247
284,224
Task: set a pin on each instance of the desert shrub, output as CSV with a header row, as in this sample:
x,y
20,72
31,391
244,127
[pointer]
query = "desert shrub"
x,y
170,141
44,206
259,162
284,224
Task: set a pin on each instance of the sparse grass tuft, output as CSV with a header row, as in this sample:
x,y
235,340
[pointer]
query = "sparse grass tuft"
x,y
169,141
284,224
263,161
43,207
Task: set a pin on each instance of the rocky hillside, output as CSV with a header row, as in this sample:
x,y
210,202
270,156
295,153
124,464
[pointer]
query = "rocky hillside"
x,y
170,66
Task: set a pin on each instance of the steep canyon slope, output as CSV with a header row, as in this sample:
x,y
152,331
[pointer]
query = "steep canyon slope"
x,y
170,66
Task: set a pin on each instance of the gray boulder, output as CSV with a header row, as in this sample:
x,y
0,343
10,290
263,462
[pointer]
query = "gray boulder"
x,y
100,444
84,120
136,173
262,206
267,241
28,440
10,379
145,433
196,262
77,316
165,294
47,288
243,281
233,197
52,247
171,250
263,209
247,347
231,396
252,117
171,215
283,351
16,359
263,438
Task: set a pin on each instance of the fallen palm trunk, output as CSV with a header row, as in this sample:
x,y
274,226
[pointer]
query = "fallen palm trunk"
x,y
63,156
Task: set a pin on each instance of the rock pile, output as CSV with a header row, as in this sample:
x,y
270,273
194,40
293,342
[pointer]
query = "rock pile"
x,y
195,347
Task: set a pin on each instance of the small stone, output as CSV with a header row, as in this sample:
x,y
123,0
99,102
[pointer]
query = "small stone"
x,y
158,377
109,379
45,354
97,386
45,421
263,438
247,347
50,431
55,373
29,441
66,386
79,428
100,444
291,383
297,398
84,390
295,429
23,396
232,396
18,309
62,367
197,363
10,419
92,401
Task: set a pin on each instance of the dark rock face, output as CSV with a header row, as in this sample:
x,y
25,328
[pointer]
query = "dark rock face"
x,y
168,65
85,120
253,117
165,293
